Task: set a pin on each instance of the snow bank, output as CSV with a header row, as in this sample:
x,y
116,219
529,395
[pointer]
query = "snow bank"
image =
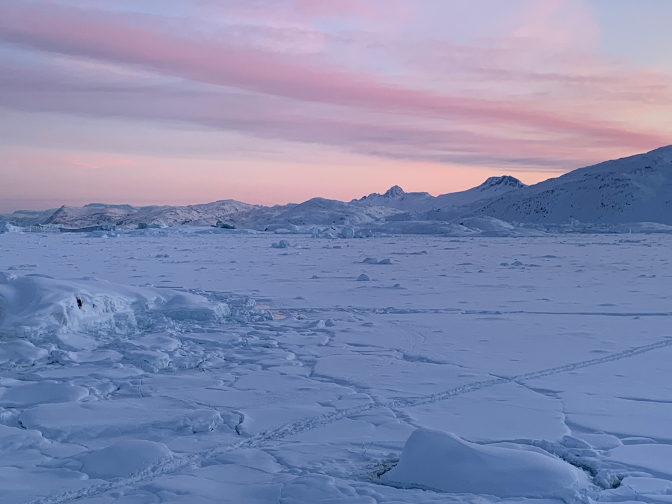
x,y
76,312
444,462
36,305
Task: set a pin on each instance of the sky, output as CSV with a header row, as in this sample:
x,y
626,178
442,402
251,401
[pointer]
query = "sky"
x,y
276,101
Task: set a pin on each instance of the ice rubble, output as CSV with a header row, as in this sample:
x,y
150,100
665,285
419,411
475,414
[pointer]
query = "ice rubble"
x,y
440,461
72,313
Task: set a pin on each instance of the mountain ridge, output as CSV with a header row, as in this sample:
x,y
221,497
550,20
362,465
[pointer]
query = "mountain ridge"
x,y
633,189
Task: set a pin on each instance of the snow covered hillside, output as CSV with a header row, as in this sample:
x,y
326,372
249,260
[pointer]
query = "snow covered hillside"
x,y
632,189
129,216
193,365
28,217
418,202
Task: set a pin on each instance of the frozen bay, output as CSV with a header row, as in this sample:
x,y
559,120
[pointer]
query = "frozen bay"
x,y
198,365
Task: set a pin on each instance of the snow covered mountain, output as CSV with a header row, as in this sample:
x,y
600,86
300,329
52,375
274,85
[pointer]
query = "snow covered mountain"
x,y
395,197
129,216
27,217
632,189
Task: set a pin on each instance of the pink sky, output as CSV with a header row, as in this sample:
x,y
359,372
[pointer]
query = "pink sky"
x,y
188,101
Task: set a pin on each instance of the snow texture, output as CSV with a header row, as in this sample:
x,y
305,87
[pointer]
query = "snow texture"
x,y
201,365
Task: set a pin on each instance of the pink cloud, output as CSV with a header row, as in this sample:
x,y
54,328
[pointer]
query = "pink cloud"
x,y
149,42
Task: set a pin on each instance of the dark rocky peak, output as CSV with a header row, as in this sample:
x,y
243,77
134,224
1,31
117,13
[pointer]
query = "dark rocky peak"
x,y
504,181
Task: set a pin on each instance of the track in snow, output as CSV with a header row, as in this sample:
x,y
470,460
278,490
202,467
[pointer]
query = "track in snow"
x,y
167,466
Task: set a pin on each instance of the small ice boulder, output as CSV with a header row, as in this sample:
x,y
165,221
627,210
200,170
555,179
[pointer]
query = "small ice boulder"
x,y
282,244
370,260
347,232
444,462
123,458
385,261
363,278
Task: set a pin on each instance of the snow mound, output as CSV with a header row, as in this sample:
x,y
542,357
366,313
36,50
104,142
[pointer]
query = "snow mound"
x,y
77,312
35,305
444,462
282,244
123,458
191,307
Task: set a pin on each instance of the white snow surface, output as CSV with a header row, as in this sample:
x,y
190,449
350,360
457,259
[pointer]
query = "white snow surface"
x,y
216,368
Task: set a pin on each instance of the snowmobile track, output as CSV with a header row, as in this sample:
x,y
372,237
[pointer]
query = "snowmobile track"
x,y
167,466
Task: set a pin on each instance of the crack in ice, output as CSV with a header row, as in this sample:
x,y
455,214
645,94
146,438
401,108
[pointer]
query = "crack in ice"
x,y
167,466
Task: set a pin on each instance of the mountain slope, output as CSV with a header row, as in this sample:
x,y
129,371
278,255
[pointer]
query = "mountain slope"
x,y
632,189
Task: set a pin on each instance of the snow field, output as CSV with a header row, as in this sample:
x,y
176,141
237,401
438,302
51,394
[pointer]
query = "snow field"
x,y
562,354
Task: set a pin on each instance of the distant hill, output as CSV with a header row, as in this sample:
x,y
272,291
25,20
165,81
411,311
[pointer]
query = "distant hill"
x,y
128,216
633,189
28,217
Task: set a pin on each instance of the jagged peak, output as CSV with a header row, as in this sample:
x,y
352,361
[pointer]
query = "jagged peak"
x,y
394,192
504,180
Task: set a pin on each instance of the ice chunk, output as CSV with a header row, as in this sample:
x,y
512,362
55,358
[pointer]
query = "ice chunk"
x,y
363,278
282,244
347,232
190,307
20,352
78,312
441,461
6,227
123,458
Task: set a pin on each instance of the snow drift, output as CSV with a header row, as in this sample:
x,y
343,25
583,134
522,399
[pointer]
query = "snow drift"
x,y
444,462
39,306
